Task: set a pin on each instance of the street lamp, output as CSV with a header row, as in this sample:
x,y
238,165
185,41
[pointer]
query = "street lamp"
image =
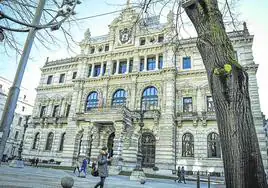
x,y
21,142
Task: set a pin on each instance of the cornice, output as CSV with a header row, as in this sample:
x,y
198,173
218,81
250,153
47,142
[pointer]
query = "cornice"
x,y
59,67
54,87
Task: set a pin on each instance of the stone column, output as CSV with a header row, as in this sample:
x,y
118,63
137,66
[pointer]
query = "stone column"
x,y
118,142
136,63
117,67
127,71
92,70
109,68
101,71
95,142
145,63
62,107
156,61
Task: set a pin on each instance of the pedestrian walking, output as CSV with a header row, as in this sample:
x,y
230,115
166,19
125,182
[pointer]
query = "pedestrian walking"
x,y
103,166
36,161
77,167
84,167
179,175
183,174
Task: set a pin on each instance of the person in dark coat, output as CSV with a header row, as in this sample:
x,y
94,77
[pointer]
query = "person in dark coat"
x,y
36,162
84,167
102,166
183,174
179,175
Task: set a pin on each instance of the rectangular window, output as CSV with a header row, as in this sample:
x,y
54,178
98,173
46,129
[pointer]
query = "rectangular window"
x,y
23,108
92,50
74,75
130,65
141,64
49,79
186,62
16,135
104,69
210,104
68,110
62,78
89,70
20,120
160,62
122,67
151,63
56,111
106,47
114,67
142,41
160,38
187,104
97,70
42,111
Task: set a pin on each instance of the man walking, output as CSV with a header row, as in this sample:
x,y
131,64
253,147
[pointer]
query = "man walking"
x,y
84,167
179,175
102,167
77,167
183,174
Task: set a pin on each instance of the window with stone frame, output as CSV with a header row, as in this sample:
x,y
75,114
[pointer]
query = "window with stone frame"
x,y
187,104
106,49
213,143
119,98
151,64
49,79
49,141
122,67
68,110
97,70
43,111
62,78
62,141
74,75
56,111
36,141
210,104
19,121
142,41
92,101
16,135
141,64
160,62
188,145
186,62
149,100
160,38
92,50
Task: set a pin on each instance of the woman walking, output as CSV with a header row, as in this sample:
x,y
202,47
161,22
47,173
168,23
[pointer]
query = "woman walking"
x,y
102,167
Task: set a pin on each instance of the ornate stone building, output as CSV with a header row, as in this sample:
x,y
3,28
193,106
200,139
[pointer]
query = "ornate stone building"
x,y
134,77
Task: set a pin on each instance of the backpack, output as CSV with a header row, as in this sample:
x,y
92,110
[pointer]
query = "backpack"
x,y
95,172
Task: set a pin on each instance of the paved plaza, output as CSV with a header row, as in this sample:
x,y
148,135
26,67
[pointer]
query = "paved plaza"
x,y
50,178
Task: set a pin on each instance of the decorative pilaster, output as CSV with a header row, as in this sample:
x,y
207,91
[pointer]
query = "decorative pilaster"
x,y
145,63
118,142
127,71
157,61
92,70
117,67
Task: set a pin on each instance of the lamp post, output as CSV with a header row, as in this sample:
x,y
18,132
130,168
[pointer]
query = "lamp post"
x,y
22,139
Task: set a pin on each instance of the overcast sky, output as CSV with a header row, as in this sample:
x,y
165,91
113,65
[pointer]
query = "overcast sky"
x,y
255,13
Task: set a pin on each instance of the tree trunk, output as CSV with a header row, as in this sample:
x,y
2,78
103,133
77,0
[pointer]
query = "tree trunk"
x,y
228,82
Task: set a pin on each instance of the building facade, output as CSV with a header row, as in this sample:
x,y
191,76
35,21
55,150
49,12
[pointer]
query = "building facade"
x,y
135,88
24,108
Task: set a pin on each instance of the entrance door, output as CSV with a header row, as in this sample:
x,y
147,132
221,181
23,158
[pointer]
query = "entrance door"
x,y
148,150
110,144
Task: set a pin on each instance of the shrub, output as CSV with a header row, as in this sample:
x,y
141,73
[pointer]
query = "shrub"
x,y
51,160
45,161
155,168
58,162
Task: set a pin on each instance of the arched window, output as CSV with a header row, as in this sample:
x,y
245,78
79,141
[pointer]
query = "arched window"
x,y
62,142
36,141
49,141
119,98
149,98
214,148
188,145
92,100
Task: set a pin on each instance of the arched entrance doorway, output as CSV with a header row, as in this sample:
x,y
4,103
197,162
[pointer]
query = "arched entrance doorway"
x,y
110,144
148,150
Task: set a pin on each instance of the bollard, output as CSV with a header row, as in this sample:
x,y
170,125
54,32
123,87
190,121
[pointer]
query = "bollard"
x,y
208,180
198,180
67,182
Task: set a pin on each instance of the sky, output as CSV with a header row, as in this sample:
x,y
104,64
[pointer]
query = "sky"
x,y
255,13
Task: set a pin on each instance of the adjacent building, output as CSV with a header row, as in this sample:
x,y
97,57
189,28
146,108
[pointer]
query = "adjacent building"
x,y
24,108
135,88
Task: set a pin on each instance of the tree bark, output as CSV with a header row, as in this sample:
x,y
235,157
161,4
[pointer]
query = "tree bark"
x,y
243,165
